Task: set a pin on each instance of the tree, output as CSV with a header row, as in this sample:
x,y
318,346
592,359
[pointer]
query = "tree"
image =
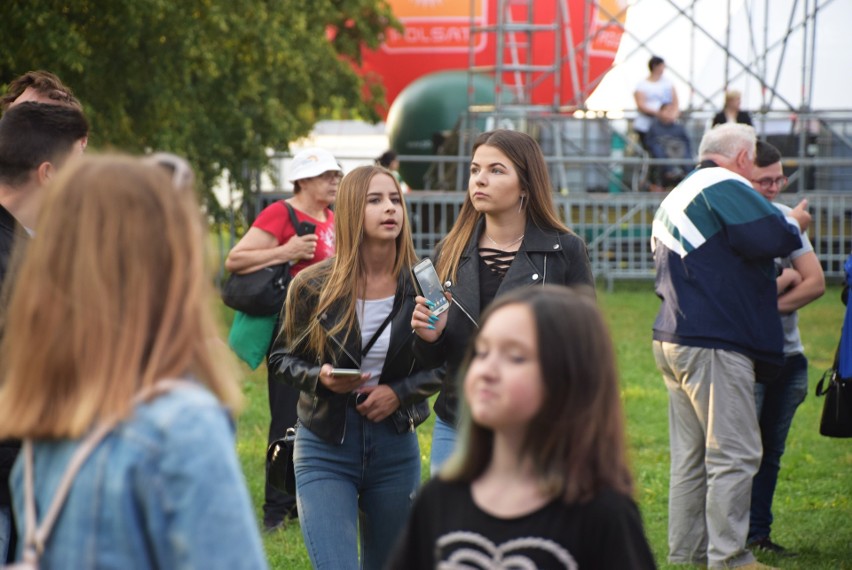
x,y
218,81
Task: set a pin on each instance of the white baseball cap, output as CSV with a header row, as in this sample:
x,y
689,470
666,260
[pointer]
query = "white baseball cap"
x,y
311,162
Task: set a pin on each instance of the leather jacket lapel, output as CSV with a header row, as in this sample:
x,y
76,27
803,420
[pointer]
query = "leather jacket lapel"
x,y
401,324
343,351
468,294
524,271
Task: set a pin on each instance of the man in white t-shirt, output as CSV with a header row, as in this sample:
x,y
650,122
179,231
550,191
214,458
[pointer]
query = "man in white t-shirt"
x,y
651,94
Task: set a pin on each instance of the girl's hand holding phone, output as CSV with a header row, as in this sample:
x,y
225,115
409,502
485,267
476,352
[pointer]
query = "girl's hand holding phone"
x,y
341,384
428,326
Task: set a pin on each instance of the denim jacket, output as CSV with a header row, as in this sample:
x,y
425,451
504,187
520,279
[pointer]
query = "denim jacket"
x,y
163,490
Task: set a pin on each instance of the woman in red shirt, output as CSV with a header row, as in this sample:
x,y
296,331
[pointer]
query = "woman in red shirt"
x,y
272,240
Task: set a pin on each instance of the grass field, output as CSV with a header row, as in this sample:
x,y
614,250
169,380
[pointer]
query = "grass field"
x,y
813,507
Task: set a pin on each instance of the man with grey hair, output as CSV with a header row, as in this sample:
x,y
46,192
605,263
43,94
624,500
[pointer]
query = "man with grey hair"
x,y
714,239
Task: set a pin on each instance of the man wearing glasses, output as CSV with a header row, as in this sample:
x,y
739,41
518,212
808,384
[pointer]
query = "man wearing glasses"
x,y
800,281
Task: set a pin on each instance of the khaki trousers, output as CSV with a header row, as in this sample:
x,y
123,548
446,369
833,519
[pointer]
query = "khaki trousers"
x,y
714,439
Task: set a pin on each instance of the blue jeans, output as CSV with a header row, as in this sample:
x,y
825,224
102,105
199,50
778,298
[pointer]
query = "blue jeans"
x,y
443,443
5,532
368,481
776,404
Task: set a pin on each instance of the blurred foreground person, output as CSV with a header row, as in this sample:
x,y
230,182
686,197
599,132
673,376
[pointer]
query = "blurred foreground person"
x,y
540,477
113,370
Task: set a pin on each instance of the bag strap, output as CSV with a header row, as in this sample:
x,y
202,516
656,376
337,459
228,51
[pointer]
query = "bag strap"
x,y
830,374
397,302
36,535
293,219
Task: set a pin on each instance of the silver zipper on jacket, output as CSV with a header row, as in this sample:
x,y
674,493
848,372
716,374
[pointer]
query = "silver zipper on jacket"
x,y
448,285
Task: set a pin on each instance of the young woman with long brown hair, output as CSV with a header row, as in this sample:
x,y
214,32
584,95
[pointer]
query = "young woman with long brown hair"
x,y
507,236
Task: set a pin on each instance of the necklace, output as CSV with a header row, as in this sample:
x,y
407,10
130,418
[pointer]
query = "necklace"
x,y
511,243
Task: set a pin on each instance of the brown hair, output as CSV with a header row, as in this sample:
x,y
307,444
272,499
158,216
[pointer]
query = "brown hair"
x,y
576,440
112,297
45,84
33,133
528,160
342,277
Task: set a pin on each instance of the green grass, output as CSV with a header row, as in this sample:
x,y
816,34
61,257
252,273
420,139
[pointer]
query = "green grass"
x,y
813,508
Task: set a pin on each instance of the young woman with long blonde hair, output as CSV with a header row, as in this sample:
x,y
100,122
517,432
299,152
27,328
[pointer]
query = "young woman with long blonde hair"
x,y
109,330
357,460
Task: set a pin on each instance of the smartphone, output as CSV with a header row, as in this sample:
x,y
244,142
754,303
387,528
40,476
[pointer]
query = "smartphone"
x,y
306,228
345,372
430,286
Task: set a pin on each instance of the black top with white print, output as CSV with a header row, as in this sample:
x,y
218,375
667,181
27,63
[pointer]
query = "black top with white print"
x,y
448,530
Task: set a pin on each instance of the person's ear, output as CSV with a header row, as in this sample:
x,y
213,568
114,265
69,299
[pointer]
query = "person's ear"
x,y
44,173
745,163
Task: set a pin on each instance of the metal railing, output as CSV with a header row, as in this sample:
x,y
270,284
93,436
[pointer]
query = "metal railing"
x,y
617,227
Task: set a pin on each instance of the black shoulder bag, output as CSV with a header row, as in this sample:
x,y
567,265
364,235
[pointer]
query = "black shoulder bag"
x,y
836,420
262,292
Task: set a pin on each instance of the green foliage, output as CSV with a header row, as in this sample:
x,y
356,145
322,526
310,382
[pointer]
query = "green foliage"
x,y
813,508
218,81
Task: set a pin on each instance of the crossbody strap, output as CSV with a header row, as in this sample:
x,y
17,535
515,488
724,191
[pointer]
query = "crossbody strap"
x,y
397,302
36,535
293,219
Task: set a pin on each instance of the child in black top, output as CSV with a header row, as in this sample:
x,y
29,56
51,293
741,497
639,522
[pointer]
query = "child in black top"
x,y
540,476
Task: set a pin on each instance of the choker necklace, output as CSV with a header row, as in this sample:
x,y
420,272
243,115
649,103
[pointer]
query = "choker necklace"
x,y
503,247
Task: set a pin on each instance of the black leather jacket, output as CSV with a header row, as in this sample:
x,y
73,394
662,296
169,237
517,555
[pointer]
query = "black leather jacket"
x,y
544,257
323,411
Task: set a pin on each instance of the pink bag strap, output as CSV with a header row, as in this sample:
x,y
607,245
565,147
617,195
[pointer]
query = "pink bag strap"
x,y
36,535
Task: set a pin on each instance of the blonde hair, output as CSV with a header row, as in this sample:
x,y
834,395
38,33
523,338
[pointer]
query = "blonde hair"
x,y
731,95
342,279
111,297
528,160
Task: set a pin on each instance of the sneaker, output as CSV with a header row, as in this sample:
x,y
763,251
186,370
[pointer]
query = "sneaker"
x,y
270,526
766,545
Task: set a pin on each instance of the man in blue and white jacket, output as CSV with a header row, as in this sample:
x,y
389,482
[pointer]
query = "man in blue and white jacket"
x,y
714,239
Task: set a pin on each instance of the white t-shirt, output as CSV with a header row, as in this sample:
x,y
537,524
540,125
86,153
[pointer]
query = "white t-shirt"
x,y
371,314
656,93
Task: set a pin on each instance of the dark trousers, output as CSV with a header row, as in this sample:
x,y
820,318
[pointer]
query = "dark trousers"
x,y
283,400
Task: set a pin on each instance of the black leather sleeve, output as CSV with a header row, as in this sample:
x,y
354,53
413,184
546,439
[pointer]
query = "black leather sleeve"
x,y
418,386
294,364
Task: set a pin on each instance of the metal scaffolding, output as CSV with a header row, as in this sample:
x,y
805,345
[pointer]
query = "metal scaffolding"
x,y
771,40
